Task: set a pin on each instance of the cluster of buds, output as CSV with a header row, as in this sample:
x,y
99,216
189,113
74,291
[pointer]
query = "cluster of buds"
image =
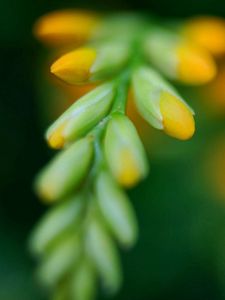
x,y
101,150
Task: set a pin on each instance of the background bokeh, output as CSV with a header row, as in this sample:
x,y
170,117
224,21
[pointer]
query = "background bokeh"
x,y
181,250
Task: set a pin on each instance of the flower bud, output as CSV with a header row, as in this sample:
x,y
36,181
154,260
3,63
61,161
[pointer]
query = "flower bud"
x,y
208,32
55,222
66,27
178,58
66,171
121,26
116,210
124,151
160,105
59,260
91,63
83,282
81,116
104,255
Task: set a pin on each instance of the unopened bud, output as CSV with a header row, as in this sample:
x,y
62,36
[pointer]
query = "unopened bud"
x,y
160,104
66,171
81,116
124,151
178,58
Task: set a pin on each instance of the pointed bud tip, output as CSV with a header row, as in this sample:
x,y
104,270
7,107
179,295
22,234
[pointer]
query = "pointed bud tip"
x,y
55,139
129,174
195,65
178,120
74,67
208,32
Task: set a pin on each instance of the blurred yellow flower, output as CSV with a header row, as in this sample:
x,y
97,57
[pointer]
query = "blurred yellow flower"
x,y
65,27
208,32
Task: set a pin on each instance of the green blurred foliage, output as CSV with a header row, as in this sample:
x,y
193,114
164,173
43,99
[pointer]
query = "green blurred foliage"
x,y
180,253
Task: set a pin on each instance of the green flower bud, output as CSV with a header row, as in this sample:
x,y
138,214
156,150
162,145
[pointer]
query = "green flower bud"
x,y
66,171
111,57
82,116
60,260
83,282
124,151
55,222
103,254
116,210
160,104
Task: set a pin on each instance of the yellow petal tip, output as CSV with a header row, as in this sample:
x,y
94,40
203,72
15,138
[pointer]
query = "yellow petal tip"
x,y
74,67
55,139
178,120
129,174
195,65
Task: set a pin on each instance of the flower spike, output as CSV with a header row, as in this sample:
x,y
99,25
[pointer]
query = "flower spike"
x,y
102,153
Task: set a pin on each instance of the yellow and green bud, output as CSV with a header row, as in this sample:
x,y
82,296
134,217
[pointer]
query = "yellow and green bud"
x,y
116,209
91,63
65,27
82,116
160,104
55,222
178,58
103,254
124,151
66,171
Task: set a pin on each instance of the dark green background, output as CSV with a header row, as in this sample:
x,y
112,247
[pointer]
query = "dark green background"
x,y
181,251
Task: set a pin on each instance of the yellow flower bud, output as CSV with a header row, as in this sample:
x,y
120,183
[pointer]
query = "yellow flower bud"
x,y
82,116
65,27
194,64
124,151
56,139
160,104
178,120
74,67
208,32
178,58
91,64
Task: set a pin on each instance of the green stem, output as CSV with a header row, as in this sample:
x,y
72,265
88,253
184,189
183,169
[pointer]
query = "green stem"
x,y
122,90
